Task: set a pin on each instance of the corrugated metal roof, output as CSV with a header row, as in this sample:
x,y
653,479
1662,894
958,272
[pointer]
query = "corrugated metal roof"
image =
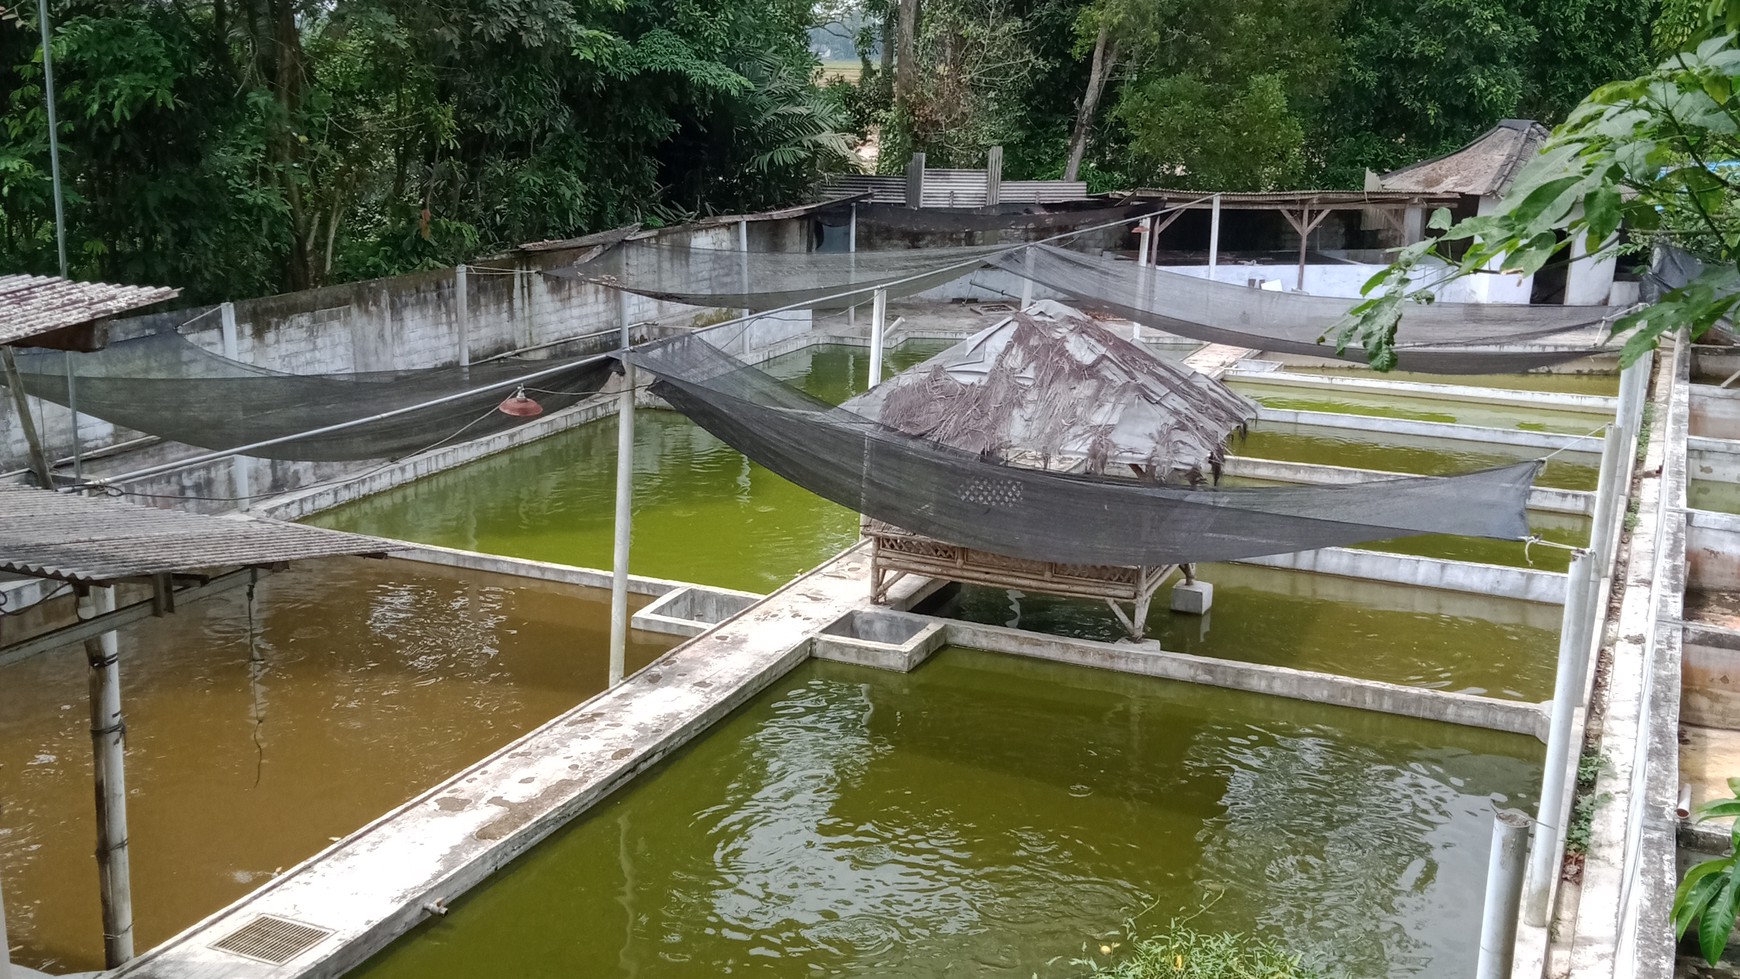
x,y
1274,200
1484,168
31,305
96,539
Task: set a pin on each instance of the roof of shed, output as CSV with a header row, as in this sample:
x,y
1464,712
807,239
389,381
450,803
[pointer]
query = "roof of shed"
x,y
1486,167
34,305
92,539
1283,199
1053,389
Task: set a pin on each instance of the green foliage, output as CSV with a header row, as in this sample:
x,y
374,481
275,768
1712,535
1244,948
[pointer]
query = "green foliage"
x,y
1577,834
1710,892
237,148
1652,152
1186,133
1181,952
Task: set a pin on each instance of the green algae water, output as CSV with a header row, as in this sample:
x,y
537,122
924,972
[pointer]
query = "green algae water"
x,y
1387,452
994,817
1425,409
702,512
1463,643
1719,497
1585,382
366,682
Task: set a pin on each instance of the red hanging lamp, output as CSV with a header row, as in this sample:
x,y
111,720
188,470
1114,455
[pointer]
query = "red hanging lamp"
x,y
520,406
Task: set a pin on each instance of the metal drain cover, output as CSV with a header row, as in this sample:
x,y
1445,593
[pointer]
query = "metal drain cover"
x,y
271,939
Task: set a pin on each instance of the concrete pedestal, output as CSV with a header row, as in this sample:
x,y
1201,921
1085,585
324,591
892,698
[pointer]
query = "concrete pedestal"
x,y
1192,597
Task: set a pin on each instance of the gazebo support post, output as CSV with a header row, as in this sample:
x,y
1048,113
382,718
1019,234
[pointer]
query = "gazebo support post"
x,y
109,743
624,525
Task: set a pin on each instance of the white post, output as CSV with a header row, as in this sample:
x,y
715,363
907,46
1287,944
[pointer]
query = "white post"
x,y
743,260
852,249
109,743
1147,241
1214,236
1027,278
1567,697
241,468
1504,868
5,945
1613,482
624,509
878,322
72,407
462,314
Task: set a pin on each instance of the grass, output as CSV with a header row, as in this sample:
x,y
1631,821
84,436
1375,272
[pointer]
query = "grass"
x,y
1182,952
1588,800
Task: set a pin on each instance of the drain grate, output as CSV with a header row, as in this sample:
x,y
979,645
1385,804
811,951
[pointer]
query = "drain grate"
x,y
271,939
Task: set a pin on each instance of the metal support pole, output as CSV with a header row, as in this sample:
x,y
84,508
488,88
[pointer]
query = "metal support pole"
x,y
1304,242
1567,697
1613,483
109,743
32,438
53,132
878,323
1504,880
743,258
72,406
1147,240
241,467
852,249
624,509
462,313
1214,237
5,945
1027,277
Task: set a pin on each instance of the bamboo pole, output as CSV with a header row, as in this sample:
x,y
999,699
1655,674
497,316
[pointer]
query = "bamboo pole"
x,y
32,438
108,744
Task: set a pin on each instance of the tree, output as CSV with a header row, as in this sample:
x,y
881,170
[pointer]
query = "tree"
x,y
1654,153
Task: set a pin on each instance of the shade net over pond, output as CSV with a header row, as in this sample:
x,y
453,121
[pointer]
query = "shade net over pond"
x,y
961,498
167,386
773,280
1437,338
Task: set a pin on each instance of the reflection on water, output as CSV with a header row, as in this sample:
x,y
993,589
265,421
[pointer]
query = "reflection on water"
x,y
988,816
366,682
1463,643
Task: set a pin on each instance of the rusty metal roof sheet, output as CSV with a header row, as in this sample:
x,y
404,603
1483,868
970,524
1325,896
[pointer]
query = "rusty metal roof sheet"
x,y
90,539
32,305
1484,168
1283,199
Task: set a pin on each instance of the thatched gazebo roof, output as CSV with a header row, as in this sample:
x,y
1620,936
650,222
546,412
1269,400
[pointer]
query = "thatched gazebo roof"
x,y
1054,389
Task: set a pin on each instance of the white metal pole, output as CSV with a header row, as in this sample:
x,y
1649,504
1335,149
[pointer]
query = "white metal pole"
x,y
241,467
1147,236
1504,879
5,945
1567,695
1608,492
1214,236
878,322
624,509
1027,278
109,745
462,313
72,407
852,249
743,259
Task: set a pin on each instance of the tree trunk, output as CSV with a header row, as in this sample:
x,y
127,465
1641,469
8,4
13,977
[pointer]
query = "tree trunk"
x,y
906,56
1105,53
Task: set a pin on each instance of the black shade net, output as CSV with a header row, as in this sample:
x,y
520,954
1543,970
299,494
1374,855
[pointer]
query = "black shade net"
x,y
166,386
772,280
960,498
1436,338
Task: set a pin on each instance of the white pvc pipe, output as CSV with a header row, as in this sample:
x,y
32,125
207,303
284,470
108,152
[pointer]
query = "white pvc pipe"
x,y
108,744
1504,880
1214,237
1146,242
852,249
878,323
241,468
624,525
1567,696
1614,481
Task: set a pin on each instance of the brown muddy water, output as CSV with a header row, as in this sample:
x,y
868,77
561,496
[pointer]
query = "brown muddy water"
x,y
366,683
